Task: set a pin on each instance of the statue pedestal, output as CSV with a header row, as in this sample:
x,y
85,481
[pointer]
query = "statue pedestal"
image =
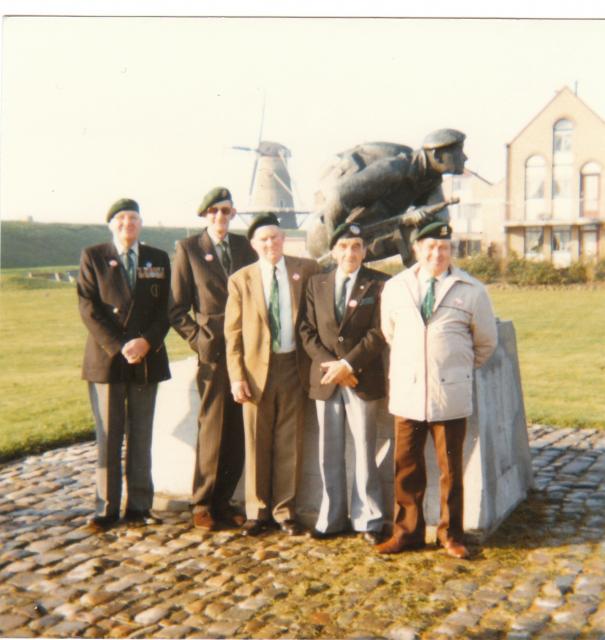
x,y
497,460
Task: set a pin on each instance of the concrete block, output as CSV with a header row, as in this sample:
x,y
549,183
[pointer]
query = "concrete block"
x,y
497,474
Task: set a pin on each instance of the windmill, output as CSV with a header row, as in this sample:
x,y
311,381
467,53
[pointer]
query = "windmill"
x,y
271,185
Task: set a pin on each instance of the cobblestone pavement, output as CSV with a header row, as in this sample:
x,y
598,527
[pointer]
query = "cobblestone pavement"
x,y
541,575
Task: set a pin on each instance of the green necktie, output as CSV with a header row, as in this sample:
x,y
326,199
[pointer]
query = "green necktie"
x,y
225,257
429,301
130,268
342,300
274,321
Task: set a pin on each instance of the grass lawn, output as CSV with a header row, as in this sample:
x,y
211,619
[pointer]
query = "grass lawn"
x,y
43,401
561,345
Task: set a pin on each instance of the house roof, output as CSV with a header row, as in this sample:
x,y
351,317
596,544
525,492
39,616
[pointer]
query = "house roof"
x,y
564,90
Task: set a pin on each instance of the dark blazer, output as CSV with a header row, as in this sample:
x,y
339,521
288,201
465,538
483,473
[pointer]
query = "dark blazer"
x,y
200,282
358,338
113,314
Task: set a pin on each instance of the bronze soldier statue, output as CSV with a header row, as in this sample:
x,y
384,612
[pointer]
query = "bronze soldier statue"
x,y
388,189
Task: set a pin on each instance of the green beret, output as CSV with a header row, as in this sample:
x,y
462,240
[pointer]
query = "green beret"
x,y
262,220
438,229
443,138
218,194
345,230
123,204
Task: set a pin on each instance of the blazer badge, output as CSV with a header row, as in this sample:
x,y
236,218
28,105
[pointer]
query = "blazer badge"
x,y
148,272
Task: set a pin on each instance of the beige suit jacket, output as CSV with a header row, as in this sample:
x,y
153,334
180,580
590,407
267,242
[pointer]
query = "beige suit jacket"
x,y
247,329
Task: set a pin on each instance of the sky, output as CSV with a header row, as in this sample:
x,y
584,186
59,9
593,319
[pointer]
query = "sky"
x,y
97,108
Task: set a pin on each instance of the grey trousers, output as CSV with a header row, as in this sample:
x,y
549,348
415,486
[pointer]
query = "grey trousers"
x,y
123,409
367,508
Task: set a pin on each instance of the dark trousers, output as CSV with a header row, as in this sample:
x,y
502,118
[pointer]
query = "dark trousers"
x,y
220,442
274,431
410,478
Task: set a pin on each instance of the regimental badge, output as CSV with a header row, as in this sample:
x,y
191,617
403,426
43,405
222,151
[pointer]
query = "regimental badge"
x,y
354,229
443,231
149,272
155,290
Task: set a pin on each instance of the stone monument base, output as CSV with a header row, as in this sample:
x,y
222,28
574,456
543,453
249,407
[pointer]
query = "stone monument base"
x,y
497,463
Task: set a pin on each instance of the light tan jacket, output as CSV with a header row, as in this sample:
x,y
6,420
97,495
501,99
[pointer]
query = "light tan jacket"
x,y
247,330
431,366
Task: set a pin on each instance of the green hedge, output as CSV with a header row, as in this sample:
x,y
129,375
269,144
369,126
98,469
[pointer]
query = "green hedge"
x,y
523,272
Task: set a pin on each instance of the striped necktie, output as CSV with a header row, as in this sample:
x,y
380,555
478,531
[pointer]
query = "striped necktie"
x,y
429,301
274,319
130,268
225,257
341,300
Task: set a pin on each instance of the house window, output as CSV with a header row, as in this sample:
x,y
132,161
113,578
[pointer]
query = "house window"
x,y
590,180
561,246
561,239
562,142
588,247
562,169
535,178
534,242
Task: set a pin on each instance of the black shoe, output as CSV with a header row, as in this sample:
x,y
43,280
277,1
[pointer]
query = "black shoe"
x,y
372,537
254,527
322,535
99,524
141,517
292,527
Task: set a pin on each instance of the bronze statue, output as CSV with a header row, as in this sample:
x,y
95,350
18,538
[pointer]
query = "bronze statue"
x,y
388,189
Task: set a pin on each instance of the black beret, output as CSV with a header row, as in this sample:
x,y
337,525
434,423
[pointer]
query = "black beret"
x,y
123,204
443,138
438,229
218,194
262,220
345,230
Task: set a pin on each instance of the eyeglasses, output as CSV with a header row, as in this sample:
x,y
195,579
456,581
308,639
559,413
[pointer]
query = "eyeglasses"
x,y
224,210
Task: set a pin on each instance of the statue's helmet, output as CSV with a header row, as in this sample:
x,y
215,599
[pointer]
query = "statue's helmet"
x,y
443,138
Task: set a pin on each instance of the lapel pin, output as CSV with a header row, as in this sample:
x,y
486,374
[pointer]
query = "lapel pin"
x,y
208,257
113,263
295,276
352,303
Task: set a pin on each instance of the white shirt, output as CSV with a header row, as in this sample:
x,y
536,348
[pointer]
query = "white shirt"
x,y
124,258
340,276
285,302
424,278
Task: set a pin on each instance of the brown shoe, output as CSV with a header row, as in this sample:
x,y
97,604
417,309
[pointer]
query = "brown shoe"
x,y
456,549
100,524
394,545
204,520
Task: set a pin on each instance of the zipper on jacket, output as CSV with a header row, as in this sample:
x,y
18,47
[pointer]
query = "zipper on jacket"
x,y
426,373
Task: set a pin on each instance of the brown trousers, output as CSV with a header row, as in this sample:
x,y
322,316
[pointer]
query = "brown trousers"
x,y
273,430
410,478
220,442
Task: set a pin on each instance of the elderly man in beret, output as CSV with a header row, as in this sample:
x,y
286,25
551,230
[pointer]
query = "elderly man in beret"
x,y
375,181
202,265
269,371
439,323
123,289
341,333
